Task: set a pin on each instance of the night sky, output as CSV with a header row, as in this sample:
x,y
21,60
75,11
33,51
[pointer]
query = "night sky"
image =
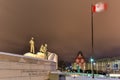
x,y
65,25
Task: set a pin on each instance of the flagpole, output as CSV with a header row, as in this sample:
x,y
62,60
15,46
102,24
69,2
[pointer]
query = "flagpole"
x,y
92,30
92,40
99,7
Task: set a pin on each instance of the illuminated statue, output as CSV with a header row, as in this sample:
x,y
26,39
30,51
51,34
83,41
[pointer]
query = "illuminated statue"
x,y
80,61
43,52
43,48
32,47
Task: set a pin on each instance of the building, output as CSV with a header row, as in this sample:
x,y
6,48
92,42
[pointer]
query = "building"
x,y
107,65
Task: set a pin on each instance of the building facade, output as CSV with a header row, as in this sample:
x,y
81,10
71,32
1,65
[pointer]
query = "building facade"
x,y
107,65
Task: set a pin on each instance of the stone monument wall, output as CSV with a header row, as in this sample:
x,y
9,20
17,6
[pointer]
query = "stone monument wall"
x,y
18,67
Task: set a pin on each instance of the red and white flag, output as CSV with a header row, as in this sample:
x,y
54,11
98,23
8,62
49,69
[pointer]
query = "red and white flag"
x,y
99,7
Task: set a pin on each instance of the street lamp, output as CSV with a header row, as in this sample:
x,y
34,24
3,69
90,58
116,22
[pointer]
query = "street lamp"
x,y
91,59
92,66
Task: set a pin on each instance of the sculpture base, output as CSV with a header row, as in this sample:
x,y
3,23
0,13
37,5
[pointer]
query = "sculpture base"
x,y
18,67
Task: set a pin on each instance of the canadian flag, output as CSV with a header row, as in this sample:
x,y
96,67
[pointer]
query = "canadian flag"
x,y
99,7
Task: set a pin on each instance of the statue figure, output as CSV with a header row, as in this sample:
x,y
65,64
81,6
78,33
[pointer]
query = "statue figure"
x,y
43,48
32,47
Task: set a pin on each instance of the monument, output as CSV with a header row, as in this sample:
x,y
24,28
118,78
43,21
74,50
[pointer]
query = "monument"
x,y
42,54
19,67
28,66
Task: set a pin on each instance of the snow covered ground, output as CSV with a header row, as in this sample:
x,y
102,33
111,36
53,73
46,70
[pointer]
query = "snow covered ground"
x,y
80,76
88,78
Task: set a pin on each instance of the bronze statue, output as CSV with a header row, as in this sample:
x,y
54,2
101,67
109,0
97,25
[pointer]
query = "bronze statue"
x,y
43,48
32,47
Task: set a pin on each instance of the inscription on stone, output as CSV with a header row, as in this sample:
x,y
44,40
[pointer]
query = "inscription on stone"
x,y
34,72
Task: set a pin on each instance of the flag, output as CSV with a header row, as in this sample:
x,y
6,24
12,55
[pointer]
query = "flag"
x,y
99,7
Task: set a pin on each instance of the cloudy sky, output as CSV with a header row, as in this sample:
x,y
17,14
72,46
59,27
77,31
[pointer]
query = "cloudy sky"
x,y
65,25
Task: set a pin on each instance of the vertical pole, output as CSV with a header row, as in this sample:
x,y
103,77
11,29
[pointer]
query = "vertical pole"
x,y
92,39
92,30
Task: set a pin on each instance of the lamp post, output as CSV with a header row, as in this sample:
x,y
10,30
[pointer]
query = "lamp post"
x,y
92,66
